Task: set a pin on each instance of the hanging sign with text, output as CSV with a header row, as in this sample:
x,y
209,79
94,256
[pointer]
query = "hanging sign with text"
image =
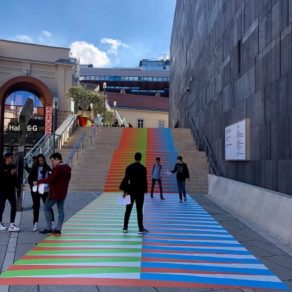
x,y
237,141
48,119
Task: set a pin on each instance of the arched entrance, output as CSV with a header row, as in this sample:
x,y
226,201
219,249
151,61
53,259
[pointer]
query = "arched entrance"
x,y
13,95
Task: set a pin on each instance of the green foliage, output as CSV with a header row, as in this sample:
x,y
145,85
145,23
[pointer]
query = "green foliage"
x,y
84,98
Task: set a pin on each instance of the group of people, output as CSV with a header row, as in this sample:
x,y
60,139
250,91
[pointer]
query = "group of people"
x,y
55,187
135,185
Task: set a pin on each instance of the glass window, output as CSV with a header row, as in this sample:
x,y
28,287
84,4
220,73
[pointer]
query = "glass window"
x,y
160,124
140,123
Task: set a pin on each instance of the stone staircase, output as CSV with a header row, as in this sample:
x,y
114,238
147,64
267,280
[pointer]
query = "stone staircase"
x,y
196,161
90,171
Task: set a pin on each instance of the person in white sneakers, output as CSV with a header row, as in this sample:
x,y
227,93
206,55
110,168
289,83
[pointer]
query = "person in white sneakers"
x,y
8,183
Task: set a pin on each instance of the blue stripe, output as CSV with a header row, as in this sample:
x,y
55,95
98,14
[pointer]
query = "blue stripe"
x,y
214,281
187,236
188,231
199,258
248,271
194,249
191,243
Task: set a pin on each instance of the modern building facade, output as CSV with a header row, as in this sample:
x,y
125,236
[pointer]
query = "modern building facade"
x,y
41,73
231,62
150,78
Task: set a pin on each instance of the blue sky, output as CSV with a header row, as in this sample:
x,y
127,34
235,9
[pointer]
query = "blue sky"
x,y
106,33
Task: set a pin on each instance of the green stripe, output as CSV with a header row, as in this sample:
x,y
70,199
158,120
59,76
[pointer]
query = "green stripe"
x,y
62,271
94,238
84,251
54,260
71,243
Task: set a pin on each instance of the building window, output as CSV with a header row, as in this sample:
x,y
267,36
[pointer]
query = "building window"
x,y
140,123
239,56
160,124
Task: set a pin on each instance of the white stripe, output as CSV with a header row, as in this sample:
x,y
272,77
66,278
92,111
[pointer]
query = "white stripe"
x,y
95,246
199,247
223,265
213,255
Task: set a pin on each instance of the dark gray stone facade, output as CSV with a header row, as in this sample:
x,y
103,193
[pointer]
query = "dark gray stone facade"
x,y
230,60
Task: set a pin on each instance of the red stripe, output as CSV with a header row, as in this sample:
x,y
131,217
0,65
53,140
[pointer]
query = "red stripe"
x,y
54,267
40,257
108,282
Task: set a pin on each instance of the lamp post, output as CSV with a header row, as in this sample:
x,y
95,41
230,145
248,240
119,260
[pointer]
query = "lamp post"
x,y
115,118
104,88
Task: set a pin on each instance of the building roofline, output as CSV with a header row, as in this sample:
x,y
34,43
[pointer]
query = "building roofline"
x,y
33,44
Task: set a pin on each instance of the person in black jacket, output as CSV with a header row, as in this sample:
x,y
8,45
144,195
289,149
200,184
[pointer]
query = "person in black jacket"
x,y
8,176
182,173
135,184
38,171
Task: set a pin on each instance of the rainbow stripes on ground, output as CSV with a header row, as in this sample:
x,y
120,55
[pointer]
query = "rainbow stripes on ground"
x,y
185,247
151,143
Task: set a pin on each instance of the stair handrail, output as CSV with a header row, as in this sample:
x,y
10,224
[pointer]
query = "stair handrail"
x,y
92,133
75,150
213,167
65,130
117,115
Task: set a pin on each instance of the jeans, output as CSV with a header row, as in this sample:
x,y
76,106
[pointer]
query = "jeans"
x,y
11,197
153,184
181,185
48,214
36,198
139,198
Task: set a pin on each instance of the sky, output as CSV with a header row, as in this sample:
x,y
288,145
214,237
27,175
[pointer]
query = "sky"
x,y
105,33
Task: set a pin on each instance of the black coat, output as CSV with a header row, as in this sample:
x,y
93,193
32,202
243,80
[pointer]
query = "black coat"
x,y
8,182
135,180
33,174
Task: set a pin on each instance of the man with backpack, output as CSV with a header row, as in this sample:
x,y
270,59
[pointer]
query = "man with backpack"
x,y
182,173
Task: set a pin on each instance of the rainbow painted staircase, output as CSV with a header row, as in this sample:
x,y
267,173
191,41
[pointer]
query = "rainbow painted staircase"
x,y
151,143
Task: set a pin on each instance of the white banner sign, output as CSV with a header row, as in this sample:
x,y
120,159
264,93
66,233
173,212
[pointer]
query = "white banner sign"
x,y
237,141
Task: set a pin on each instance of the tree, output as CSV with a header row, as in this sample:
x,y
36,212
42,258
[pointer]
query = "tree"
x,y
84,98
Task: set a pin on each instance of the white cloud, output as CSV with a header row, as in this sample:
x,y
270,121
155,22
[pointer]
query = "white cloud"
x,y
46,34
89,54
113,45
23,38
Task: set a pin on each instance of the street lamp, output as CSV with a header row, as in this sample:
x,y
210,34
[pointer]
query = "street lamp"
x,y
104,88
115,118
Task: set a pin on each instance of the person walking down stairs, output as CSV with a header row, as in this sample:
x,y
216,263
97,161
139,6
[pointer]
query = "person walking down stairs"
x,y
156,175
182,173
135,184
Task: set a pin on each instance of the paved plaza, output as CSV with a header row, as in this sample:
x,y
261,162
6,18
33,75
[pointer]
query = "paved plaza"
x,y
174,256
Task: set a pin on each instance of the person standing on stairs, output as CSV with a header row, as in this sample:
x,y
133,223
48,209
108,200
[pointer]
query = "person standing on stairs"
x,y
156,176
182,173
135,184
58,182
39,170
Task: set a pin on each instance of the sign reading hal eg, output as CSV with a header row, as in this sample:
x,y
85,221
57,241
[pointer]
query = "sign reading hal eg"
x,y
237,141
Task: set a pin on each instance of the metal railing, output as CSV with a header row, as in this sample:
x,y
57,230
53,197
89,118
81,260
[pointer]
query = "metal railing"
x,y
117,115
78,147
204,145
45,144
65,130
92,133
